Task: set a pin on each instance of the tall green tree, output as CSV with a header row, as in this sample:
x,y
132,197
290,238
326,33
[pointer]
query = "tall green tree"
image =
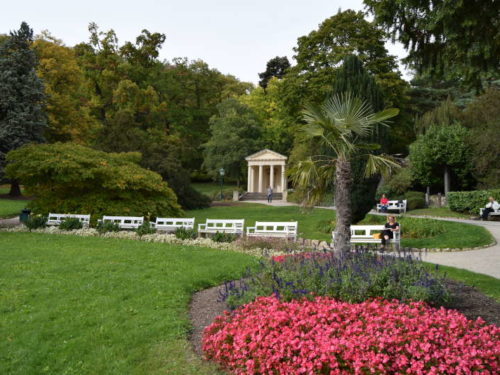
x,y
276,67
446,38
22,117
442,155
340,124
235,134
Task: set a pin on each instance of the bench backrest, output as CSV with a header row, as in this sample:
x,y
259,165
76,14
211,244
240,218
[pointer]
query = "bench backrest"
x,y
124,220
225,224
365,230
57,218
396,204
276,226
174,222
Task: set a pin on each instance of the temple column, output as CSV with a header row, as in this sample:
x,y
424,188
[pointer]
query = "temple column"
x,y
249,178
271,176
261,179
283,179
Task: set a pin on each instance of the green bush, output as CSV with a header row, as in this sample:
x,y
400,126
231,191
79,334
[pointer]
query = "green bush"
x,y
145,228
186,234
224,237
414,200
71,223
36,222
470,202
67,177
410,227
397,184
107,226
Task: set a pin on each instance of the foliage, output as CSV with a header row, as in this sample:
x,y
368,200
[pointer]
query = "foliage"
x,y
235,133
224,237
327,336
482,117
470,201
396,184
75,284
279,245
446,114
439,148
71,223
36,222
186,234
350,277
438,35
22,119
414,200
145,228
68,107
276,67
67,177
107,226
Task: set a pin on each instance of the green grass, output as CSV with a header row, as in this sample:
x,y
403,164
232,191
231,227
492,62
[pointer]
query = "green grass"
x,y
10,208
4,189
311,224
85,305
438,212
314,224
488,285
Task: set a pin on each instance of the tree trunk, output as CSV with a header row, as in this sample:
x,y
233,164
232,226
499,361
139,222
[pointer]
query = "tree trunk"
x,y
446,180
15,189
343,182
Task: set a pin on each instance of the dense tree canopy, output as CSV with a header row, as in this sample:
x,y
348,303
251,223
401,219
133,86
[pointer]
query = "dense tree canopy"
x,y
448,39
22,116
66,177
276,67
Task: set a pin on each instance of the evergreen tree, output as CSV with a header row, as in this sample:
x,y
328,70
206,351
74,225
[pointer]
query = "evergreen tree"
x,y
22,117
352,77
275,67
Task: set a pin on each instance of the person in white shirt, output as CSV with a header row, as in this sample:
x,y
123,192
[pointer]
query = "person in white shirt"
x,y
491,206
269,194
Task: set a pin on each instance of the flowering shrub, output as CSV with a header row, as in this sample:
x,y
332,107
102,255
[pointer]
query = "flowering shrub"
x,y
351,277
325,336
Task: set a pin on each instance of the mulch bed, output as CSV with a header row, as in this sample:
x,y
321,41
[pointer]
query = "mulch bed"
x,y
469,301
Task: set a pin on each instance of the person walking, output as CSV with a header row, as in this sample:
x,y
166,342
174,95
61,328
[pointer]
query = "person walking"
x,y
491,206
269,194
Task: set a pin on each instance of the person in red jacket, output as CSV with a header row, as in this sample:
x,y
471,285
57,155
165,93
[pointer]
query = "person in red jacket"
x,y
384,203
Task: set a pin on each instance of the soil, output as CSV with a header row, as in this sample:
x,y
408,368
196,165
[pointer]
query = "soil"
x,y
469,301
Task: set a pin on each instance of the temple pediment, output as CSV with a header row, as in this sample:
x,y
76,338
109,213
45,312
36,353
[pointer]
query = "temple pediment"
x,y
267,155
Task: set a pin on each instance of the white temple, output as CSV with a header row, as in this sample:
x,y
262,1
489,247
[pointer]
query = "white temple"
x,y
267,168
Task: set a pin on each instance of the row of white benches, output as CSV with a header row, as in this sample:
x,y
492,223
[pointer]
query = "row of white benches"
x,y
211,226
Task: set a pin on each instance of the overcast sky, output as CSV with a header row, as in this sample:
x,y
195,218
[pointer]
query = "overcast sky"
x,y
234,36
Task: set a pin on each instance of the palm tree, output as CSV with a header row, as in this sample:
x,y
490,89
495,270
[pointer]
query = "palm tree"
x,y
341,125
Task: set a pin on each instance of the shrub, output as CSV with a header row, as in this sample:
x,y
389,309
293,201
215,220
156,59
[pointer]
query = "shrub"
x,y
145,228
411,227
277,244
71,223
186,234
36,222
351,277
67,177
397,184
325,336
470,201
414,200
107,226
224,237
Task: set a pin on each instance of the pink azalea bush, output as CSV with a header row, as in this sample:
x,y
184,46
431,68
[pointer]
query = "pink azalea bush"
x,y
325,336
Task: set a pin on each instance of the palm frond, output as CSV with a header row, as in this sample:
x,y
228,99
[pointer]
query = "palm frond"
x,y
383,164
312,179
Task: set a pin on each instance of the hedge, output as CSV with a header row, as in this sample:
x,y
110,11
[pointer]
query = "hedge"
x,y
470,201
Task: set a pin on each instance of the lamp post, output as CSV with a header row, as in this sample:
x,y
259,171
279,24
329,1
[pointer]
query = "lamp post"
x,y
221,174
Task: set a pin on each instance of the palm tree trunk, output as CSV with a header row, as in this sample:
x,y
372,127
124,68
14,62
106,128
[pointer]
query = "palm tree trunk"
x,y
343,182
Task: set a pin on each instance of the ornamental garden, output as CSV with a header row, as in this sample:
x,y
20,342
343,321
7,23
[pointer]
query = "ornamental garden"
x,y
163,217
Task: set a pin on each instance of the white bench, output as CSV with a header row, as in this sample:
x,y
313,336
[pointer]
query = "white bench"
x,y
493,213
124,222
399,206
56,219
287,229
168,224
364,234
222,226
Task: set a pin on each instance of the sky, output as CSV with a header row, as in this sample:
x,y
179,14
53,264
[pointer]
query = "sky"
x,y
236,37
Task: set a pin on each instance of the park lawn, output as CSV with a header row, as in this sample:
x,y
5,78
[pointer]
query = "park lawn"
x,y
11,207
488,285
312,224
315,224
438,212
89,305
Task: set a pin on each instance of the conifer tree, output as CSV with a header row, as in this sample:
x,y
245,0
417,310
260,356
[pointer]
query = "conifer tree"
x,y
22,117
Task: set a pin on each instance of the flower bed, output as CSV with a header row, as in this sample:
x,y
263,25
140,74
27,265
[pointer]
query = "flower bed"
x,y
325,336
